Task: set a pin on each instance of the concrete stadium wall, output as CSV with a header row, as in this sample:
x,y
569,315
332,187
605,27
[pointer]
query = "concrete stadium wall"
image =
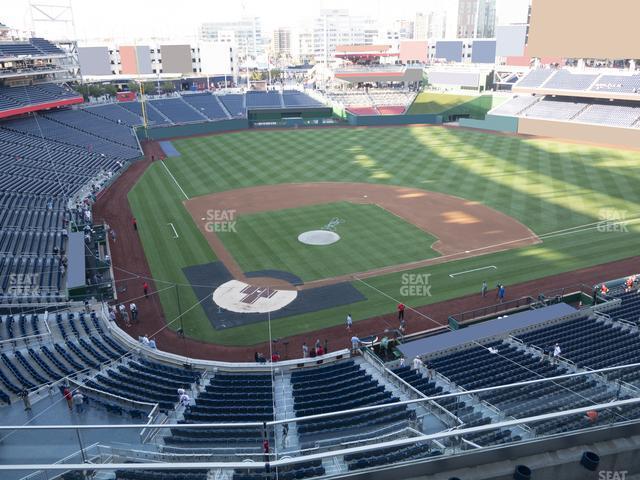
x,y
173,131
496,123
625,137
371,120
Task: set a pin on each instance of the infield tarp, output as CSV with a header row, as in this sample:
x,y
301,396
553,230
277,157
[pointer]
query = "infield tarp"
x,y
207,277
484,330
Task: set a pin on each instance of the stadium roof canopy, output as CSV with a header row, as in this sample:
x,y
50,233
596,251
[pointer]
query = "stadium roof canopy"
x,y
484,330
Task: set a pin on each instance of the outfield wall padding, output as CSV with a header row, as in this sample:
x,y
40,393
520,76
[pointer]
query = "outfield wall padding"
x,y
497,123
187,130
581,132
371,120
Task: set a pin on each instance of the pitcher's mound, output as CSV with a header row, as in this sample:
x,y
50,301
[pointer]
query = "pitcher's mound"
x,y
318,237
241,297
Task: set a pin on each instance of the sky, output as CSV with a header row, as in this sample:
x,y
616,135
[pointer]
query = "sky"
x,y
95,20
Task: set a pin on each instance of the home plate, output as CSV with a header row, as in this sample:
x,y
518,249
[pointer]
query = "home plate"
x,y
240,297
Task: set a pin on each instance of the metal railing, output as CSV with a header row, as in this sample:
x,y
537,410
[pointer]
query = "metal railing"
x,y
400,383
290,461
494,309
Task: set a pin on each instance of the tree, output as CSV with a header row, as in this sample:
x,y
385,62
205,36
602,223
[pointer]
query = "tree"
x,y
95,90
275,74
109,89
149,88
168,87
257,75
133,87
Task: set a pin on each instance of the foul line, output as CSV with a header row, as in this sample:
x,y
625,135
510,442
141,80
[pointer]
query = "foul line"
x,y
174,179
174,230
452,275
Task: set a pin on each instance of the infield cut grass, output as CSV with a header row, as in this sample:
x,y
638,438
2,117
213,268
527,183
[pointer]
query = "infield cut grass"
x,y
370,237
547,185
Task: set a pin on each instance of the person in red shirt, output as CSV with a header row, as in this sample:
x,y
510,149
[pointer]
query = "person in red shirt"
x,y
401,311
275,357
592,416
68,397
145,288
319,350
135,224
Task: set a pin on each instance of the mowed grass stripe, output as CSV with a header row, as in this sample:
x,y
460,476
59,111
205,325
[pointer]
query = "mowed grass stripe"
x,y
546,185
371,238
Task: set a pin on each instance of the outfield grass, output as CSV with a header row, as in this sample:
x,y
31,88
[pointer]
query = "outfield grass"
x,y
546,185
447,104
370,237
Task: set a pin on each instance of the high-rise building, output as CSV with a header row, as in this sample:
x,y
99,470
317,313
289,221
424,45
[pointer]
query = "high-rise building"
x,y
420,28
302,46
337,27
476,18
245,34
400,29
281,43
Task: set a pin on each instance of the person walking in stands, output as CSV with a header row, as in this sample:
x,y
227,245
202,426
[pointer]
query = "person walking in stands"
x,y
24,395
401,311
484,288
181,391
305,350
556,352
134,311
429,371
402,362
355,343
349,322
68,396
417,363
285,432
78,399
145,289
265,449
135,224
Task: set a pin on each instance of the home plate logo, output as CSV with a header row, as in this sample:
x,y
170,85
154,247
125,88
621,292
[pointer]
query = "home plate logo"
x,y
240,297
252,294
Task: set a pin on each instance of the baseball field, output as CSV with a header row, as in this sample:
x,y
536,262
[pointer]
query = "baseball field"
x,y
578,203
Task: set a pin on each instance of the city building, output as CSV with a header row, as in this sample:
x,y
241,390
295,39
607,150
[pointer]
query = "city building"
x,y
337,27
160,59
476,18
245,34
281,43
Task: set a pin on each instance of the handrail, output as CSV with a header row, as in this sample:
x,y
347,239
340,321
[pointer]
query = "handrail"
x,y
287,461
37,473
323,415
370,356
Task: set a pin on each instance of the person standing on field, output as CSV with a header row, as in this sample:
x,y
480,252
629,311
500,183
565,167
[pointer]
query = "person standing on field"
x,y
401,311
349,322
484,288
